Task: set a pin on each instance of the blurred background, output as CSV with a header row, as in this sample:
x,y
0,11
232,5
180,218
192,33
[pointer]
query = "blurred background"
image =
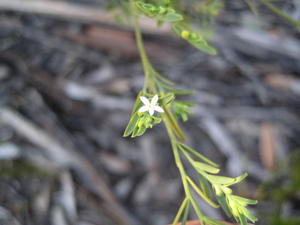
x,y
69,74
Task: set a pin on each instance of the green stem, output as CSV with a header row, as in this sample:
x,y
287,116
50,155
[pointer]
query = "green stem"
x,y
180,211
182,172
144,58
281,13
167,118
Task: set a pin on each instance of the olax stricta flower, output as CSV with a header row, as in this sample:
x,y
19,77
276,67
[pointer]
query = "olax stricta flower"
x,y
152,106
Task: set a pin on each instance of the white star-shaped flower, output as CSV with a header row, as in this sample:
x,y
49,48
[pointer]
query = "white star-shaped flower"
x,y
150,106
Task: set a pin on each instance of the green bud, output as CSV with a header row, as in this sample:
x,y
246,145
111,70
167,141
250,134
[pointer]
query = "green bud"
x,y
185,34
194,36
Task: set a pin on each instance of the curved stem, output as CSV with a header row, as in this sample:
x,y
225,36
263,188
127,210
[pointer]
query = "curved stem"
x,y
139,40
280,13
182,172
168,120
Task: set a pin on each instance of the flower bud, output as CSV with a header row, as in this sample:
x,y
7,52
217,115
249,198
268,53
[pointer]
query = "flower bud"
x,y
185,34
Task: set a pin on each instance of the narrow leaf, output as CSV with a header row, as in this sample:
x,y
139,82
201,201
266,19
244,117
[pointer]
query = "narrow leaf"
x,y
173,122
244,200
198,211
243,219
180,211
167,99
186,213
248,214
212,221
199,192
252,6
133,117
205,186
204,167
227,181
161,78
131,125
172,17
184,147
201,44
223,203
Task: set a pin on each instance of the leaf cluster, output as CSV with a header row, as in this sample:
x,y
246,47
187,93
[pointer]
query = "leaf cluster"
x,y
182,109
209,182
164,12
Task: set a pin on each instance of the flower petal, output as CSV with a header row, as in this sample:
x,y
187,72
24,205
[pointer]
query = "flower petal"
x,y
143,108
154,100
145,100
158,109
151,111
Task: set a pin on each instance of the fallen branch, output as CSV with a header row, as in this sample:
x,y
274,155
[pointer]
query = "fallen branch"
x,y
66,158
72,11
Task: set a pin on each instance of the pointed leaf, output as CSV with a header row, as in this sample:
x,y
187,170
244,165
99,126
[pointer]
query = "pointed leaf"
x,y
167,99
195,39
209,201
172,17
186,213
184,147
227,181
162,78
205,186
180,211
205,167
174,124
198,211
246,201
248,214
212,221
223,203
131,125
243,219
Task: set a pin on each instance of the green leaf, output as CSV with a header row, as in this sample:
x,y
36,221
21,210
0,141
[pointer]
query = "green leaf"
x,y
146,8
186,213
174,124
131,125
252,6
248,214
243,219
182,92
227,181
184,147
162,79
197,211
195,39
172,16
212,221
200,193
205,186
280,13
138,131
167,99
180,211
160,13
133,117
182,109
204,167
244,201
177,91
201,44
223,203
